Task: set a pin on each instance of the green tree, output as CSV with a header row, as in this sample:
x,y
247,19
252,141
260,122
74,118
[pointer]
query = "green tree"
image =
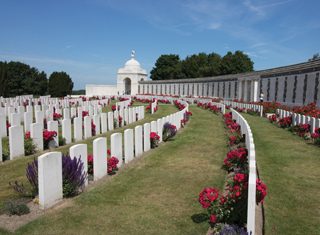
x,y
3,79
236,63
60,84
167,67
17,78
201,65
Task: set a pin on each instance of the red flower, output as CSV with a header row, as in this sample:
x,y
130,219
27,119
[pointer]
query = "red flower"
x,y
112,165
109,152
85,113
213,218
90,158
261,191
240,178
207,196
154,136
27,135
113,107
56,116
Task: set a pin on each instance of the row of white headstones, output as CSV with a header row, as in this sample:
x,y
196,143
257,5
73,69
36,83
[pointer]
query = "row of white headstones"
x,y
134,143
298,119
82,127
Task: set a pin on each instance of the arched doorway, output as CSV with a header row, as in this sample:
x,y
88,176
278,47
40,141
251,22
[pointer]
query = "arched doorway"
x,y
127,86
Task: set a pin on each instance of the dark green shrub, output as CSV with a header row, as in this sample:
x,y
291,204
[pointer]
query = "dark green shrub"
x,y
16,208
29,147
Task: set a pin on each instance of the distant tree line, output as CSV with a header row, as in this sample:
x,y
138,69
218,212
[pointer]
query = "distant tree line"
x,y
17,78
200,65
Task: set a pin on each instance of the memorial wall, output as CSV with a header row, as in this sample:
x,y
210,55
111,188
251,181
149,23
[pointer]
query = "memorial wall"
x,y
292,85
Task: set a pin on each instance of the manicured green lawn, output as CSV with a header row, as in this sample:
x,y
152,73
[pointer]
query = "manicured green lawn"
x,y
291,169
11,171
156,194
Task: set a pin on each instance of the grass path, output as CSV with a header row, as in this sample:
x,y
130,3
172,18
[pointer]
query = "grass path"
x,y
156,194
15,169
291,170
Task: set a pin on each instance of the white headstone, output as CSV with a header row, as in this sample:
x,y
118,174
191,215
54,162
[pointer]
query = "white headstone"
x,y
96,122
160,129
104,123
3,126
146,137
15,119
80,151
39,117
50,179
36,133
138,142
0,150
99,158
16,141
116,147
54,126
128,145
110,121
66,113
77,131
130,113
87,127
154,126
66,130
126,116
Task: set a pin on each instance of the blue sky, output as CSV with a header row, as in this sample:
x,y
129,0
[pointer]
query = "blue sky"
x,y
91,39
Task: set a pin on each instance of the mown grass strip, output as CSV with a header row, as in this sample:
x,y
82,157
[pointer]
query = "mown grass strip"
x,y
156,194
14,170
290,168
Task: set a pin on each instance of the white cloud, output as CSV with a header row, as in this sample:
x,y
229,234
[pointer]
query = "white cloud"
x,y
214,26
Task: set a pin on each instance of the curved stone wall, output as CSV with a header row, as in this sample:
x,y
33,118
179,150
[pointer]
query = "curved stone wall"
x,y
292,85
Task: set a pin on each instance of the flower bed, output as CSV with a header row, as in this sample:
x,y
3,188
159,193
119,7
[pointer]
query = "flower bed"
x,y
228,208
302,130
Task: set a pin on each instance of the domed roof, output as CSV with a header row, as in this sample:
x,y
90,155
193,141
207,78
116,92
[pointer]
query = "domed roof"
x,y
132,66
132,63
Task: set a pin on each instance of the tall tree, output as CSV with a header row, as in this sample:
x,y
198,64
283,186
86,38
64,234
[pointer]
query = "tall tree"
x,y
201,65
3,79
17,78
236,63
167,67
60,84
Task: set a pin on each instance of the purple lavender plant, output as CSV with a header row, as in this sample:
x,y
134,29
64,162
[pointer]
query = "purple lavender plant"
x,y
169,131
233,230
32,176
73,176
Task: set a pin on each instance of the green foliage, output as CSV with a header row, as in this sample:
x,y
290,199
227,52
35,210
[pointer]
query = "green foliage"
x,y
16,208
5,149
17,78
236,63
78,92
29,147
167,67
60,84
200,65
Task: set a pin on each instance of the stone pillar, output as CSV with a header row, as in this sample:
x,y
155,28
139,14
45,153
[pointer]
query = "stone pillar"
x,y
245,91
239,90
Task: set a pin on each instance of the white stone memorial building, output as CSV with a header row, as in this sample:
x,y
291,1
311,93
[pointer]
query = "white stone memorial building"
x,y
128,79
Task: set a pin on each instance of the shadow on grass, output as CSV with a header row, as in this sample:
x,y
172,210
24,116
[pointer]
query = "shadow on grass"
x,y
199,218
